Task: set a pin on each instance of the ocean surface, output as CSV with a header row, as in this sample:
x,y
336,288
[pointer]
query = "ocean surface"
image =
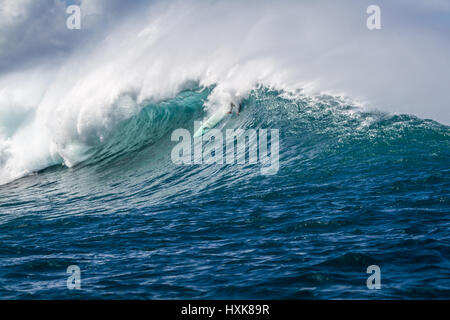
x,y
354,188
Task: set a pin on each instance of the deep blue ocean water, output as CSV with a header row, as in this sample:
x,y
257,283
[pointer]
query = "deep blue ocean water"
x,y
355,188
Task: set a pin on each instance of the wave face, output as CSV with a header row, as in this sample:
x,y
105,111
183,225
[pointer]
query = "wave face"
x,y
354,188
86,175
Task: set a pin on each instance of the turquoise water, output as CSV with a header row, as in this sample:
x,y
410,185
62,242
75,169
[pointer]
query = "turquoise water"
x,y
354,188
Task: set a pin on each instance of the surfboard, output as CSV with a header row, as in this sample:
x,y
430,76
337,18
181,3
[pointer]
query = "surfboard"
x,y
211,123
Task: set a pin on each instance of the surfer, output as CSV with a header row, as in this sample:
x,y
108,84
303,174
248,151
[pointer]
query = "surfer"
x,y
232,105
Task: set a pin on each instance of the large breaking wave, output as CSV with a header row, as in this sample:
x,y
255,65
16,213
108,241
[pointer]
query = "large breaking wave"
x,y
126,86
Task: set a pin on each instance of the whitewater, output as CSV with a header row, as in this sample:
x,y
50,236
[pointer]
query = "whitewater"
x,y
58,106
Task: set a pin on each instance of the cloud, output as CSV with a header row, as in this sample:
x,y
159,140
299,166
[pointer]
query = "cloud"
x,y
33,31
